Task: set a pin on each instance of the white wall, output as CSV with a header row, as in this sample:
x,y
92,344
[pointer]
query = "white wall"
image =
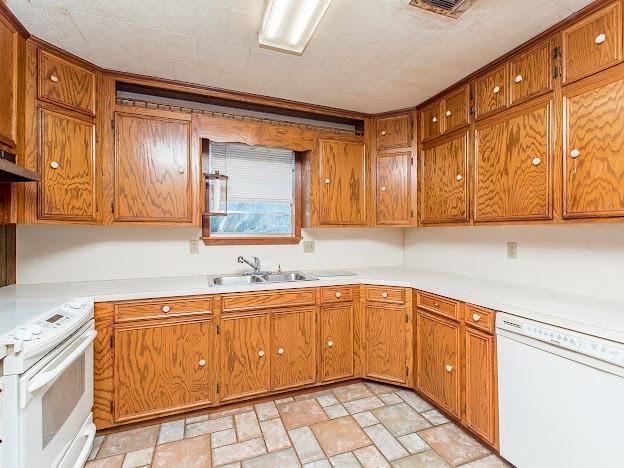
x,y
81,253
583,258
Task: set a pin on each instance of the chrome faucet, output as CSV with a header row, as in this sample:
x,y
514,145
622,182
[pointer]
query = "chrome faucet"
x,y
255,265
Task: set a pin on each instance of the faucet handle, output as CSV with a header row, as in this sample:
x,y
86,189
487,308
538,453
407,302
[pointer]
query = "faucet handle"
x,y
240,259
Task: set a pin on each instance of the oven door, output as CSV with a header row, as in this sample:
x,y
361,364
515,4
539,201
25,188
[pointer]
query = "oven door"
x,y
56,397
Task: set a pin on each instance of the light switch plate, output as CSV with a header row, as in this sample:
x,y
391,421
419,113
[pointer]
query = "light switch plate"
x,y
194,247
512,250
308,246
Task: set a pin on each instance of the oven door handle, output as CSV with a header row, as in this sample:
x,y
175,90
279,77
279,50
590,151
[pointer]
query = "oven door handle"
x,y
89,434
44,378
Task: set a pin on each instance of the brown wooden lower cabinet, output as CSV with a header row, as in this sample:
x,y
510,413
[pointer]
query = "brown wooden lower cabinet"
x,y
336,344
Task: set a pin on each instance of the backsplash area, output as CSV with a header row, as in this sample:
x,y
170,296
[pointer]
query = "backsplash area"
x,y
55,253
581,258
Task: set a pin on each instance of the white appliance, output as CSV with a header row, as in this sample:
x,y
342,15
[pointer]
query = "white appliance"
x,y
47,384
561,396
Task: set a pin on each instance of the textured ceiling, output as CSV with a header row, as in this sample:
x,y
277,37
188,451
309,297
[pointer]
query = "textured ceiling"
x,y
366,55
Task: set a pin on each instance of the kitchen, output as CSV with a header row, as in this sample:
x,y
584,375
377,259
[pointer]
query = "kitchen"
x,y
212,257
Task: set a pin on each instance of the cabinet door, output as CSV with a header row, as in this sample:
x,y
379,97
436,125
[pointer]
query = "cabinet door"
x,y
8,82
481,403
394,132
437,354
386,342
67,161
152,169
336,342
593,166
443,175
343,183
456,109
244,342
293,343
162,368
491,92
393,188
431,121
531,73
513,165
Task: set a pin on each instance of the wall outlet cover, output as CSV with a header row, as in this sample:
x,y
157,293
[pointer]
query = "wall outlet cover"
x,y
512,250
308,246
194,247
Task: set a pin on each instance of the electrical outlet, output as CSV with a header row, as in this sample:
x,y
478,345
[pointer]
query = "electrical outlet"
x,y
512,250
308,246
194,247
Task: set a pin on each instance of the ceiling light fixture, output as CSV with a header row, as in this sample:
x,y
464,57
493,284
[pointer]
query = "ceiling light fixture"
x,y
288,25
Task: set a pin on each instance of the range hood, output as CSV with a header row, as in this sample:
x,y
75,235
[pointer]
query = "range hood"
x,y
11,172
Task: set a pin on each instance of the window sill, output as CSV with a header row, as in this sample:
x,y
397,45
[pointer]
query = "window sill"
x,y
288,240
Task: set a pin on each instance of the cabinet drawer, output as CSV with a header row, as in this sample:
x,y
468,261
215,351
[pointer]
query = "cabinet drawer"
x,y
480,317
394,132
66,83
491,91
385,294
336,294
531,73
267,299
431,121
439,305
592,44
456,109
151,309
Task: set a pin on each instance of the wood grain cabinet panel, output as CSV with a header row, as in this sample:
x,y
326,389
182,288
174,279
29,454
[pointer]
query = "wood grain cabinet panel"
x,y
443,175
65,83
244,343
513,165
162,368
593,166
293,360
394,132
531,73
393,188
491,92
152,169
593,43
431,121
337,342
389,294
343,183
456,109
8,82
386,342
67,161
438,345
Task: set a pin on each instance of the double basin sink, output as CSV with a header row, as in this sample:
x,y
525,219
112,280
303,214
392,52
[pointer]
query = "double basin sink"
x,y
262,278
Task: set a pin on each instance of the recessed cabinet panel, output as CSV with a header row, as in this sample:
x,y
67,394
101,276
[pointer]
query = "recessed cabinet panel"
x,y
394,132
386,342
431,121
393,188
336,342
456,109
8,82
531,73
491,92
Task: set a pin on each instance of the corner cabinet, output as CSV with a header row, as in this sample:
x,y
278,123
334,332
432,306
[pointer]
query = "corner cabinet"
x,y
337,328
9,40
394,189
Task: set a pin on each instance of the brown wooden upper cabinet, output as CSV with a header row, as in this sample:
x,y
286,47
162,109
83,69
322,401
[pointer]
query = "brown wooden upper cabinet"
x,y
153,168
593,43
491,92
337,321
431,121
531,73
342,199
444,185
593,145
67,164
8,82
513,159
65,83
393,188
394,132
456,109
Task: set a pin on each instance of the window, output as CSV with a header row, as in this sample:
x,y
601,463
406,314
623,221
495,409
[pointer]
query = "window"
x,y
261,193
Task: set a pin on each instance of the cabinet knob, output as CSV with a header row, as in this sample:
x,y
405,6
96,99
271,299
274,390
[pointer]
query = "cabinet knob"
x,y
330,344
448,113
459,177
600,38
436,304
384,294
54,78
327,181
383,189
338,294
166,308
180,170
202,362
280,351
476,317
575,153
448,368
518,78
54,165
261,353
383,133
536,161
434,119
496,89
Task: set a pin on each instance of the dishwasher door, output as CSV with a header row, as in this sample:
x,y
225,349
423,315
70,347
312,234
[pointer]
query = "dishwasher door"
x,y
555,411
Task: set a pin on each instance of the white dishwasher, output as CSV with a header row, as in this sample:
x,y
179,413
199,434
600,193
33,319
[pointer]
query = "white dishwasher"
x,y
561,396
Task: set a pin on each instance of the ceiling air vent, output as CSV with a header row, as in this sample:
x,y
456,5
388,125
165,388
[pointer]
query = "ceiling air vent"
x,y
450,8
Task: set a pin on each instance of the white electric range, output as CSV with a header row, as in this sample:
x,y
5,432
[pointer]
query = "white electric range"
x,y
46,378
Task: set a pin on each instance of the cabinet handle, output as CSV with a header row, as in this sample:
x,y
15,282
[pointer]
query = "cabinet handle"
x,y
496,89
518,78
435,119
327,181
166,308
54,78
338,294
383,189
476,317
459,177
384,294
575,153
383,133
449,368
261,353
600,38
536,161
54,165
202,362
330,344
448,113
280,351
180,170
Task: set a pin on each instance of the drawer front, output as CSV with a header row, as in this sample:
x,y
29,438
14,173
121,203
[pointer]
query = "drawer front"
x,y
439,305
491,91
456,109
268,299
592,44
336,294
480,317
66,83
385,294
394,132
162,308
531,73
431,121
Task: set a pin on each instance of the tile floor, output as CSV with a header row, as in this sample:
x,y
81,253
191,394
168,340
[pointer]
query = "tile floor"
x,y
366,425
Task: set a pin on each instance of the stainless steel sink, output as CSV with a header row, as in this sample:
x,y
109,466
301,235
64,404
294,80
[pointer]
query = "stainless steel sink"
x,y
237,280
274,277
287,277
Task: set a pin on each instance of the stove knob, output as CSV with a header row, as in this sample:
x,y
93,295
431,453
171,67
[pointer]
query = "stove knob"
x,y
34,329
22,335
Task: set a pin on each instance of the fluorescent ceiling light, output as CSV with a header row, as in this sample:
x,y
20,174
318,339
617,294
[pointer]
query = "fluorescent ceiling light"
x,y
289,24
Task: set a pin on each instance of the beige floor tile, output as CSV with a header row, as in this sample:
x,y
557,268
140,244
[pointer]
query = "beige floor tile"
x,y
232,465
413,443
209,426
275,435
324,463
109,462
352,392
317,394
127,441
283,400
435,417
97,443
390,398
327,400
370,457
491,461
385,442
238,452
285,458
266,410
400,419
380,389
230,412
221,438
414,400
171,431
340,435
189,453
196,419
247,426
335,411
301,413
365,419
365,404
306,445
453,444
345,460
138,458
427,459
